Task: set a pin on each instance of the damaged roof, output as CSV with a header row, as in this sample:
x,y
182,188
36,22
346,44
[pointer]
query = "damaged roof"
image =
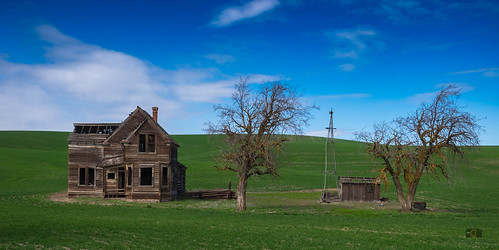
x,y
99,133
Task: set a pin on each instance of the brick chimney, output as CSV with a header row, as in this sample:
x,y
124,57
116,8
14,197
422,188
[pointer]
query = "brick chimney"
x,y
155,114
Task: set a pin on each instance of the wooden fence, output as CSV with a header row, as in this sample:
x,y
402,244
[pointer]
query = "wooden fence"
x,y
212,194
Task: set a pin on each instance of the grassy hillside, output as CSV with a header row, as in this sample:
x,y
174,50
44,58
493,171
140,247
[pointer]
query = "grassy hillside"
x,y
33,162
301,163
36,163
33,166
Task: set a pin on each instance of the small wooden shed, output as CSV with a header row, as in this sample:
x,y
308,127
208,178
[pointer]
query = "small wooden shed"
x,y
358,189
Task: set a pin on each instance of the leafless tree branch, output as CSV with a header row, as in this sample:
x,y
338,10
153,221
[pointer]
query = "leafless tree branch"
x,y
421,143
255,125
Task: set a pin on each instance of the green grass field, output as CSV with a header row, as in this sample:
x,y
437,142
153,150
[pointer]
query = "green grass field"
x,y
283,213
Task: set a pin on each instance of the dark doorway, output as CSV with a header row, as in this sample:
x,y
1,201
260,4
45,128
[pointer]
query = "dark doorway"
x,y
121,179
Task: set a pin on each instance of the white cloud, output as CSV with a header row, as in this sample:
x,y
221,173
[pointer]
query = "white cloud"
x,y
428,97
205,92
220,58
350,54
351,44
347,67
29,107
464,87
401,11
51,34
422,97
87,83
488,72
259,78
199,91
92,73
414,11
53,96
355,37
249,10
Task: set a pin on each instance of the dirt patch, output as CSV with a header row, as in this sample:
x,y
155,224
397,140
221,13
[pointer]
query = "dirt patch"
x,y
61,197
297,191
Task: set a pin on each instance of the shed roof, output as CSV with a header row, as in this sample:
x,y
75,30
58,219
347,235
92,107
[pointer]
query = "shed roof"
x,y
358,180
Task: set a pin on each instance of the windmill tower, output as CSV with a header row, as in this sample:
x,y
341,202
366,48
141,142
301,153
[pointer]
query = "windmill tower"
x,y
329,151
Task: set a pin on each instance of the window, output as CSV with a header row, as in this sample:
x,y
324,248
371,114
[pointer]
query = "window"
x,y
146,176
111,176
174,153
86,176
129,176
151,146
164,176
147,143
142,143
91,176
82,175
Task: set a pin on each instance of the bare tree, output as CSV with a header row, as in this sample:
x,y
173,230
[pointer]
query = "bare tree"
x,y
422,143
255,125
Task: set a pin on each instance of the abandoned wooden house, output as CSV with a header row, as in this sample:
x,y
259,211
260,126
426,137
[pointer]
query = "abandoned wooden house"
x,y
358,189
135,159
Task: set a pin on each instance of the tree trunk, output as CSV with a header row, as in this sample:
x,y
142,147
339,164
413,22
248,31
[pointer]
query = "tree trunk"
x,y
408,200
411,192
407,204
404,202
241,193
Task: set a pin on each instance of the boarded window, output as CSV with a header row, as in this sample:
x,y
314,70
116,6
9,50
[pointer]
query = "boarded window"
x,y
86,177
146,176
110,176
164,176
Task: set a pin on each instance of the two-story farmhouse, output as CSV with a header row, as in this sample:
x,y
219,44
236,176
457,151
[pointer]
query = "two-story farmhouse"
x,y
135,159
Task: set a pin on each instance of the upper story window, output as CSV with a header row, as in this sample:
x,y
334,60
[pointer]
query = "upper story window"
x,y
147,143
151,144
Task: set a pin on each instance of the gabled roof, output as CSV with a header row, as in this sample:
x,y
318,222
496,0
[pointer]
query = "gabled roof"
x,y
140,117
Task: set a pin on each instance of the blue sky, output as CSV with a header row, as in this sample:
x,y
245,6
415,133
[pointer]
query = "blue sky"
x,y
371,61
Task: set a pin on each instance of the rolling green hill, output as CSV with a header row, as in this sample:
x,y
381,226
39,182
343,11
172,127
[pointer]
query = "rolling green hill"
x,y
301,163
37,163
33,166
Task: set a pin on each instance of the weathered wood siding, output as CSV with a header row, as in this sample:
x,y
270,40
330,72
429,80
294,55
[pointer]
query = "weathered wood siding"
x,y
84,157
359,189
118,152
360,192
162,150
132,123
